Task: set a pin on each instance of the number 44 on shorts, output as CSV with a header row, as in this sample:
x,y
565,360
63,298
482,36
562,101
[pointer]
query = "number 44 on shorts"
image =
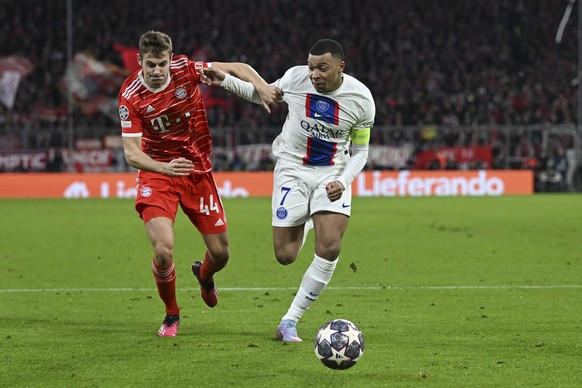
x,y
207,208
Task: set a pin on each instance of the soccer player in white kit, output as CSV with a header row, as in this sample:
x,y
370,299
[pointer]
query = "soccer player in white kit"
x,y
327,111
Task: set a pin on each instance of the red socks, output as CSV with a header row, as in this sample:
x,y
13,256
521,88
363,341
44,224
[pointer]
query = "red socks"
x,y
209,268
166,282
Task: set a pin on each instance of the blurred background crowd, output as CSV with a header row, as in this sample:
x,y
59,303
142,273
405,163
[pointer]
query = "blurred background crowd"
x,y
452,73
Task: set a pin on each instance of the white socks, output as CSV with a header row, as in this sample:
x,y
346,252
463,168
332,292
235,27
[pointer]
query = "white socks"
x,y
314,281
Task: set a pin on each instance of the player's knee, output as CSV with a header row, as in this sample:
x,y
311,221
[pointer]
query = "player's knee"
x,y
164,256
328,252
285,257
220,255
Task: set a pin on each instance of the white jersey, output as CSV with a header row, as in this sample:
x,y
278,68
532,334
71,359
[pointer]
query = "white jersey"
x,y
318,126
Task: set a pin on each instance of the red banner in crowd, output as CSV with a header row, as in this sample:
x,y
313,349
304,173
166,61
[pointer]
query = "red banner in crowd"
x,y
260,184
440,158
79,160
23,161
128,56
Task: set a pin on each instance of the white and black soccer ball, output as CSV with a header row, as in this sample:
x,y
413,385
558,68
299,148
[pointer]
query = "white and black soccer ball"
x,y
339,344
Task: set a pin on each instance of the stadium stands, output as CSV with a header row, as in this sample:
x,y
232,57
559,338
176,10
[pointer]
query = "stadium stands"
x,y
465,63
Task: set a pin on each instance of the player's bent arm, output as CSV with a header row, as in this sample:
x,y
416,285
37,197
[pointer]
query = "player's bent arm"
x,y
137,158
357,162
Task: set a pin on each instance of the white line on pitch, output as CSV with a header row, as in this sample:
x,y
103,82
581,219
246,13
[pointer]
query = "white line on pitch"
x,y
373,288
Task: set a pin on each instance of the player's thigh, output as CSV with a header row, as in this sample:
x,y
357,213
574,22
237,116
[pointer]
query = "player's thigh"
x,y
329,230
330,227
291,195
287,236
161,234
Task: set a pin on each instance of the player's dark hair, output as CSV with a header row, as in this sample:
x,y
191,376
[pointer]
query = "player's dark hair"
x,y
156,43
324,46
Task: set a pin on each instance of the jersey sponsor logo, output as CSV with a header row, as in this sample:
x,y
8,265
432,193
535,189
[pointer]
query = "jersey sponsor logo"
x,y
322,108
126,124
146,191
320,131
161,123
123,112
282,213
180,93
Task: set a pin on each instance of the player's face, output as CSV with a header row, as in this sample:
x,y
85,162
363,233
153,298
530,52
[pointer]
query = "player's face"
x,y
155,69
325,72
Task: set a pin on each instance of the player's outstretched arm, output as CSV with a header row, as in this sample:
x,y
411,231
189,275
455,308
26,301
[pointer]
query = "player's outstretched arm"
x,y
269,94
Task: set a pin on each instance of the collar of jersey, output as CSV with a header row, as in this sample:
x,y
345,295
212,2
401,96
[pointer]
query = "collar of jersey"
x,y
165,85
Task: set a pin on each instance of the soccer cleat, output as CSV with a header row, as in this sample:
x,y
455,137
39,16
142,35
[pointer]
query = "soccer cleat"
x,y
170,325
287,331
207,288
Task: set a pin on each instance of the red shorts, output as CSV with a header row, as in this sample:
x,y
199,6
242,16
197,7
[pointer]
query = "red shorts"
x,y
158,195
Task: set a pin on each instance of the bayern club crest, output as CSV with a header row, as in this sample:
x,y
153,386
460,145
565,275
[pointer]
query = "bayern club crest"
x,y
146,191
180,93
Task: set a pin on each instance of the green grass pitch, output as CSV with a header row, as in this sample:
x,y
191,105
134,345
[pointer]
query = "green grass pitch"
x,y
449,292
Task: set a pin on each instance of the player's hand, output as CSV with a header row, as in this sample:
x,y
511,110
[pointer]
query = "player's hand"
x,y
270,95
212,76
179,167
334,190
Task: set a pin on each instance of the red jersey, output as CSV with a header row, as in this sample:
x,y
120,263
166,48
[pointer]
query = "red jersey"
x,y
171,120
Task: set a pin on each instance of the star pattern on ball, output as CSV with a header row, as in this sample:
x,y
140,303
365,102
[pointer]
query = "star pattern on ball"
x,y
326,333
352,336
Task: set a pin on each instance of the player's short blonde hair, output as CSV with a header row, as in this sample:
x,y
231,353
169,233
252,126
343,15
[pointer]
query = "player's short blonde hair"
x,y
155,43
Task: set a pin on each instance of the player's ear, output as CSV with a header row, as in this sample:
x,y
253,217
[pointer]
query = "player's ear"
x,y
139,59
342,65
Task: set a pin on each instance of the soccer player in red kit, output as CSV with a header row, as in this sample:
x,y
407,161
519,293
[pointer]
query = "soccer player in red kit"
x,y
167,138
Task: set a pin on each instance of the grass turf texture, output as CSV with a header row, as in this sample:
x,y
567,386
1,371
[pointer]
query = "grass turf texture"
x,y
448,292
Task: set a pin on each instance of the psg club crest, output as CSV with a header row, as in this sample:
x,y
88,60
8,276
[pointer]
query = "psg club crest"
x,y
282,213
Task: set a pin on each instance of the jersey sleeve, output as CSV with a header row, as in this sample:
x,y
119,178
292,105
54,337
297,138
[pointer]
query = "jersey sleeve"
x,y
367,115
360,133
196,68
129,117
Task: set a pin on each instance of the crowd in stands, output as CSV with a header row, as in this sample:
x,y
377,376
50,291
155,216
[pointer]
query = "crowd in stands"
x,y
453,63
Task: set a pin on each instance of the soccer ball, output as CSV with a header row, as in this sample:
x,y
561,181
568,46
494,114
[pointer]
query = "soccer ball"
x,y
339,344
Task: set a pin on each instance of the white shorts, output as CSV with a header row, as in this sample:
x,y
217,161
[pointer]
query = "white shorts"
x,y
299,191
